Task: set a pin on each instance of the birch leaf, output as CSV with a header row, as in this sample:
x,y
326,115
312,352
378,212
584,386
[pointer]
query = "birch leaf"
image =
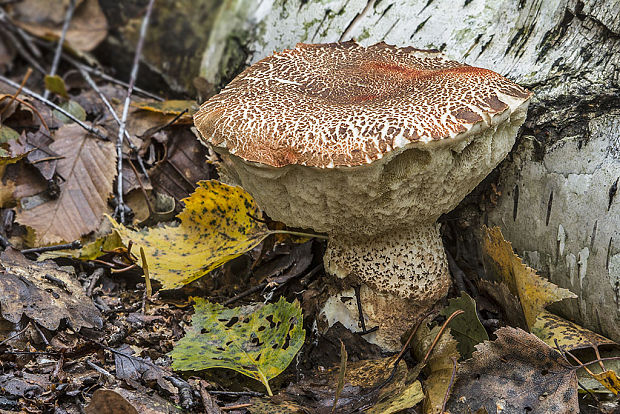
x,y
259,343
534,292
216,226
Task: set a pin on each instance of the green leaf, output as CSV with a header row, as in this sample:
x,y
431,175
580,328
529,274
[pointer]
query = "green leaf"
x,y
466,328
259,343
56,84
74,109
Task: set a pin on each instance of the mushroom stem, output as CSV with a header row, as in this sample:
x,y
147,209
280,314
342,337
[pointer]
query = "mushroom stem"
x,y
404,272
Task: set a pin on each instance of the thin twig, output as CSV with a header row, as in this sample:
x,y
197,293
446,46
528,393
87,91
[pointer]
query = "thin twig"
x,y
33,61
73,245
15,334
61,42
235,407
445,398
52,105
17,92
41,334
120,207
108,105
148,290
443,328
99,73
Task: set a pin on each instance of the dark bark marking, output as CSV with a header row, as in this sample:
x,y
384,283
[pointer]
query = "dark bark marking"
x,y
551,38
516,202
428,3
419,27
608,254
612,192
549,204
593,235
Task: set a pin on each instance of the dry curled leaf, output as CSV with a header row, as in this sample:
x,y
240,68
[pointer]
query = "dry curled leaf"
x,y
516,373
45,18
43,292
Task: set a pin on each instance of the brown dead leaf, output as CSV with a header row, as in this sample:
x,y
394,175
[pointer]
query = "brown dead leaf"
x,y
120,400
516,373
184,165
88,169
44,18
533,291
43,292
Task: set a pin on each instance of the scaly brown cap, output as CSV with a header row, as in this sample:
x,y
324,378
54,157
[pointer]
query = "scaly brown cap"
x,y
342,104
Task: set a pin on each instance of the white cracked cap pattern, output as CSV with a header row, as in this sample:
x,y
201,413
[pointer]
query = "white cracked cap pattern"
x,y
342,104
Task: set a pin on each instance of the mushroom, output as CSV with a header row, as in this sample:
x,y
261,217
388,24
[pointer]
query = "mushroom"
x,y
369,145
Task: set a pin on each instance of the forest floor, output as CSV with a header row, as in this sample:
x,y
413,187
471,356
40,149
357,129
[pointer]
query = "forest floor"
x,y
123,298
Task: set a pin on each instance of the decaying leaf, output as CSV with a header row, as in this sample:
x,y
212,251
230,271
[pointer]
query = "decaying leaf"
x,y
184,165
88,169
257,342
533,291
120,400
569,335
511,307
367,384
171,107
43,292
216,226
90,251
439,365
466,327
266,406
44,18
408,397
610,380
516,373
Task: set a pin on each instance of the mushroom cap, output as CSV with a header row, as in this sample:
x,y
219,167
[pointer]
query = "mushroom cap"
x,y
342,104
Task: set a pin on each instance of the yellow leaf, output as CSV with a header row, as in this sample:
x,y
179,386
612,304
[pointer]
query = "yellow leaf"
x,y
610,380
534,292
171,107
216,226
569,335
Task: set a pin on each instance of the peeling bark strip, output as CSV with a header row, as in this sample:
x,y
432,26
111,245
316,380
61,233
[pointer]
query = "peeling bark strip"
x,y
567,51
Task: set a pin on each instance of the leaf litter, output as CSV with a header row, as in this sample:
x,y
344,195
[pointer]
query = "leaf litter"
x,y
93,339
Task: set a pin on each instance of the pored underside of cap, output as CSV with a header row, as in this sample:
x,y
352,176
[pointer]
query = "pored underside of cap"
x,y
342,104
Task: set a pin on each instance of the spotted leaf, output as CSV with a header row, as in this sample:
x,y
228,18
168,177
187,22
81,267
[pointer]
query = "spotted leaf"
x,y
216,226
257,342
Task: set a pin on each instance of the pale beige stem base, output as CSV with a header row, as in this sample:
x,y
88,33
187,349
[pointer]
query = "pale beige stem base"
x,y
403,274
